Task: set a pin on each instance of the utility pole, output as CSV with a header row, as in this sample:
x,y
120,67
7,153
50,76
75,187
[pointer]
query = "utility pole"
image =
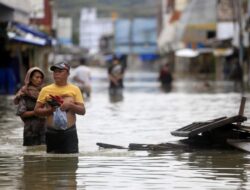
x,y
241,45
241,48
130,40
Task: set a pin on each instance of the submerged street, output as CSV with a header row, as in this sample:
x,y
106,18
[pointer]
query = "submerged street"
x,y
144,114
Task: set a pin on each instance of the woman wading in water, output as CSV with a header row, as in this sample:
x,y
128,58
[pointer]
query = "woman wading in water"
x,y
34,126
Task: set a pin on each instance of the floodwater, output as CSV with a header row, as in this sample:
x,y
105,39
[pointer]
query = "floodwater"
x,y
144,114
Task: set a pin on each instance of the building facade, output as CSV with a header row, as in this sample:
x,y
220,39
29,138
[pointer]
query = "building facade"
x,y
92,29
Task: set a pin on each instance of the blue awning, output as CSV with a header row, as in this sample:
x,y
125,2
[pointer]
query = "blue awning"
x,y
26,40
29,29
26,34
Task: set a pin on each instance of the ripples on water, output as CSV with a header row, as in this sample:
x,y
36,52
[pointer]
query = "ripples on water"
x,y
145,115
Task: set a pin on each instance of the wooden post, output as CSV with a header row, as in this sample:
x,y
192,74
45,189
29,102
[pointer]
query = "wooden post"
x,y
242,106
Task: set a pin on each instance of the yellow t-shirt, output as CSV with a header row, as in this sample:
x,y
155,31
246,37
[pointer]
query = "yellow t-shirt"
x,y
68,90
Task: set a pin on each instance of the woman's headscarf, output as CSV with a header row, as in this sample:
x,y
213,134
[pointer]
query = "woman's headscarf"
x,y
28,89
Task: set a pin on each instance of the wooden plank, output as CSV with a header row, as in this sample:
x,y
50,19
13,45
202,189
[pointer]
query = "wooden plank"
x,y
198,124
242,144
244,128
184,131
190,131
158,147
217,124
105,145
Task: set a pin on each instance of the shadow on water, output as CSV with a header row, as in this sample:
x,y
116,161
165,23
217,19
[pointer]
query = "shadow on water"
x,y
49,172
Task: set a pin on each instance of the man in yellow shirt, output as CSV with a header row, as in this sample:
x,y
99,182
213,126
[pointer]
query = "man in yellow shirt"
x,y
61,134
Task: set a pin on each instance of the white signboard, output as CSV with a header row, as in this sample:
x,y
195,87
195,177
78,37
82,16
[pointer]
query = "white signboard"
x,y
37,10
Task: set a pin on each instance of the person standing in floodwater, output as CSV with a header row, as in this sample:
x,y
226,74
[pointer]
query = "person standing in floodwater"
x,y
59,102
82,77
116,74
165,77
34,126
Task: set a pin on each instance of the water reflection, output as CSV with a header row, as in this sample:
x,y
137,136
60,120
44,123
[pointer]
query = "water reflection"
x,y
166,88
227,166
10,172
166,170
115,95
49,172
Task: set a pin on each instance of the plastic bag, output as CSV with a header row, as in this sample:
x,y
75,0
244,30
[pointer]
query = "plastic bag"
x,y
60,119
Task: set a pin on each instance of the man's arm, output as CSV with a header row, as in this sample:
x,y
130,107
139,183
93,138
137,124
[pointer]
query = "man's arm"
x,y
75,107
42,110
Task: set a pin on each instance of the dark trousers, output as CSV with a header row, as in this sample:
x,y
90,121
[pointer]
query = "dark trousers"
x,y
62,141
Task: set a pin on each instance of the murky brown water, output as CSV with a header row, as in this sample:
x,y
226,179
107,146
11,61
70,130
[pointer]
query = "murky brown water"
x,y
145,115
